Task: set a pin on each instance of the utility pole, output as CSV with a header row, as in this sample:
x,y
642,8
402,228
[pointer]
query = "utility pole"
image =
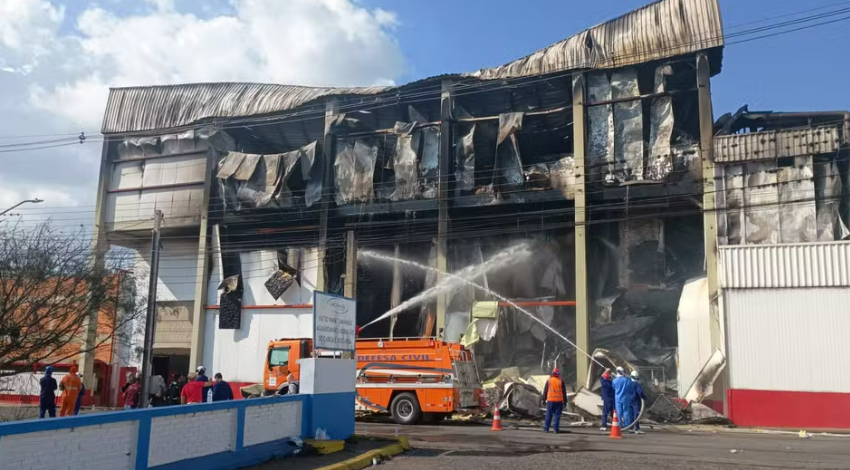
x,y
150,318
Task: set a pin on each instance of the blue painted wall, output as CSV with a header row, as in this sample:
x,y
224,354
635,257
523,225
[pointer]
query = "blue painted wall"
x,y
333,412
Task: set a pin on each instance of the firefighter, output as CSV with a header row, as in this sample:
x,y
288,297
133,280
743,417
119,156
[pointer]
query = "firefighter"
x,y
555,395
70,386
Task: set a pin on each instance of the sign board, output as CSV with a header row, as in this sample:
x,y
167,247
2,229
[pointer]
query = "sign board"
x,y
334,322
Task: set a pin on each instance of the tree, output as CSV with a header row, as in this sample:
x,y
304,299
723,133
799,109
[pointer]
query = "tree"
x,y
49,287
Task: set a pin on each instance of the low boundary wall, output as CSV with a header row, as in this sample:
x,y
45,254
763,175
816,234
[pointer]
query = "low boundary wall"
x,y
214,436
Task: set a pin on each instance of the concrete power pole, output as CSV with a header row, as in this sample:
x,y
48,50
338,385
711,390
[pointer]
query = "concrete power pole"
x,y
150,318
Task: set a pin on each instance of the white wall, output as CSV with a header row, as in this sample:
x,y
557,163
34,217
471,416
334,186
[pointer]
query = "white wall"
x,y
258,266
788,339
271,422
219,435
104,446
240,354
178,264
25,383
694,330
321,375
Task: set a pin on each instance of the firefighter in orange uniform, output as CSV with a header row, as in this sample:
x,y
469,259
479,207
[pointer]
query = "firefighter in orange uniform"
x,y
70,387
555,395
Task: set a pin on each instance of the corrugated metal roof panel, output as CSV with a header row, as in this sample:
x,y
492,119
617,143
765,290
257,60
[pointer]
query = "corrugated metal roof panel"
x,y
775,144
786,339
792,265
170,106
663,29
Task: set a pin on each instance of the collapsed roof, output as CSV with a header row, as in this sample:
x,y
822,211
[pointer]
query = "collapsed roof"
x,y
663,29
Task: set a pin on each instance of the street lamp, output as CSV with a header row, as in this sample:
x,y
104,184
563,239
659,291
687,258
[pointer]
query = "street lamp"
x,y
33,201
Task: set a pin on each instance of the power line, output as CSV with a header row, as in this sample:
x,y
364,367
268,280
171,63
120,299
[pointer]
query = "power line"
x,y
394,98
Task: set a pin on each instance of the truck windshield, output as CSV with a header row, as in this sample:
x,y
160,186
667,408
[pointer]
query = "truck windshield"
x,y
279,357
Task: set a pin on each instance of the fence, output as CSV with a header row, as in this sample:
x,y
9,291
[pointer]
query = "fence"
x,y
217,436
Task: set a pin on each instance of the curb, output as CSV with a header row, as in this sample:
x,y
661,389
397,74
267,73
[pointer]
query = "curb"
x,y
365,460
325,447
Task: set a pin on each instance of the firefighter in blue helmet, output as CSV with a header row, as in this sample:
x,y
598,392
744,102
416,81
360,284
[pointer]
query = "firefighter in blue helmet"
x,y
637,398
607,398
555,395
624,390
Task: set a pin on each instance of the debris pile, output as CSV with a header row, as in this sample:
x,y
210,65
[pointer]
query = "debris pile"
x,y
516,396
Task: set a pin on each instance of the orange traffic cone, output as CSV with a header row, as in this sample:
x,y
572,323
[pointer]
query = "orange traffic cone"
x,y
497,420
615,427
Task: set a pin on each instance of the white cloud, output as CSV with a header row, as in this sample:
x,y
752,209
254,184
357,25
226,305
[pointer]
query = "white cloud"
x,y
34,213
309,42
27,33
56,67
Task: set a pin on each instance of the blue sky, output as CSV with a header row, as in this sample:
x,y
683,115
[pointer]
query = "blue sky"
x,y
805,70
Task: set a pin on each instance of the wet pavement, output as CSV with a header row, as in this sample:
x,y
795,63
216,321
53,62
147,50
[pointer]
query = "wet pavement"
x,y
474,447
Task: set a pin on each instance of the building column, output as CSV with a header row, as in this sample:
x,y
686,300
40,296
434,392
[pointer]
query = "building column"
x,y
199,311
100,246
328,146
709,195
350,289
446,105
395,291
583,305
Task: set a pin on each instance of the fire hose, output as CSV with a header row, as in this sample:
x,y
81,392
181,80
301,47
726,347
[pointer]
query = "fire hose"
x,y
632,424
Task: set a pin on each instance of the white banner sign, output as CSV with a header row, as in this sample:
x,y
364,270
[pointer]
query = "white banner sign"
x,y
335,322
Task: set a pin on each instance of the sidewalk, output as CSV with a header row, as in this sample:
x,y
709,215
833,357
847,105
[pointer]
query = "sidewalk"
x,y
358,453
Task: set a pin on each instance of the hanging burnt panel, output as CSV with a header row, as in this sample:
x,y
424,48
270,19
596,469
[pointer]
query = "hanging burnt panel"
x,y
545,145
354,169
230,300
255,181
288,272
508,175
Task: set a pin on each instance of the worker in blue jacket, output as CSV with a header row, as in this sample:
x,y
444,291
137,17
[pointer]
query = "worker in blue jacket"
x,y
637,399
607,398
47,394
624,390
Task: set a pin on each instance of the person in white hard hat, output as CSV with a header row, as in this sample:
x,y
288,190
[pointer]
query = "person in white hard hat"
x,y
623,396
636,401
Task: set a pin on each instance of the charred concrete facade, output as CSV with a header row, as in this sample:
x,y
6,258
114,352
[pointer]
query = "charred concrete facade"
x,y
592,157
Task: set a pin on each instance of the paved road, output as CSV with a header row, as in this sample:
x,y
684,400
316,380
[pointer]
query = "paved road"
x,y
477,448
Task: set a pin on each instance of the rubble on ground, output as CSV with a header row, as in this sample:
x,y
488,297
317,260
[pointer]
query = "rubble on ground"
x,y
701,414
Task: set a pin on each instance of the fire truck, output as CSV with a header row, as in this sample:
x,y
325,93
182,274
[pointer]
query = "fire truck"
x,y
412,379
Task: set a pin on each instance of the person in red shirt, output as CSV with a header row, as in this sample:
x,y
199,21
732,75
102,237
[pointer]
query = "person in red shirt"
x,y
193,391
132,391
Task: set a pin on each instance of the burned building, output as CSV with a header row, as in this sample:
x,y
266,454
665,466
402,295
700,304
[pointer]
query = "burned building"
x,y
553,204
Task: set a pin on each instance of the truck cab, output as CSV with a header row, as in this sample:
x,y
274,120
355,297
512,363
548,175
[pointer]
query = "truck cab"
x,y
282,359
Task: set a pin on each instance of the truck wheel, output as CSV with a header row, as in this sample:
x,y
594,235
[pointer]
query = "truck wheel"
x,y
405,409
